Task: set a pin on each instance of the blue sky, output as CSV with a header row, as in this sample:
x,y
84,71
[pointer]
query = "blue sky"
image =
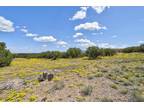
x,y
37,29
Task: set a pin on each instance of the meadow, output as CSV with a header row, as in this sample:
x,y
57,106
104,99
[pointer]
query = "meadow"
x,y
106,79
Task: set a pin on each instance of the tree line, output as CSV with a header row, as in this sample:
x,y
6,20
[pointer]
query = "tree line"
x,y
91,52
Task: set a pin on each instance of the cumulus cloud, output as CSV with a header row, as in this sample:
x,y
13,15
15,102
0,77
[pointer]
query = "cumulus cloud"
x,y
31,34
45,39
81,14
90,26
85,43
6,25
77,35
62,43
99,9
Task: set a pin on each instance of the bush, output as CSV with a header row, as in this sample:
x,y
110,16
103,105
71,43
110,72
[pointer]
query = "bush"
x,y
74,52
114,86
92,52
139,95
107,52
139,48
124,91
5,55
59,85
87,90
32,98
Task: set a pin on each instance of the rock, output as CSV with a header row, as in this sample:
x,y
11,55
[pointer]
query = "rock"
x,y
50,77
12,84
45,76
40,78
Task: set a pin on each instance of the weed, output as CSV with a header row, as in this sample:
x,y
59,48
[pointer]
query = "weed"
x,y
124,91
139,95
98,74
87,90
105,99
114,86
32,98
80,98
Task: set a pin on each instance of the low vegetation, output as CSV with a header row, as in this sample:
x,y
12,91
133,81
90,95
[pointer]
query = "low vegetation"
x,y
110,76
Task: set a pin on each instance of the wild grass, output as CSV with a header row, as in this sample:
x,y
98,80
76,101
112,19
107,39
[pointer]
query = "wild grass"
x,y
124,70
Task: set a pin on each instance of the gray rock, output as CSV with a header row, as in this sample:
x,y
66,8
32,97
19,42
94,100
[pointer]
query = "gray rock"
x,y
12,84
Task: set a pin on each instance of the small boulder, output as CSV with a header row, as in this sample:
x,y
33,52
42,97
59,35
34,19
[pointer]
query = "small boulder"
x,y
40,78
50,77
45,76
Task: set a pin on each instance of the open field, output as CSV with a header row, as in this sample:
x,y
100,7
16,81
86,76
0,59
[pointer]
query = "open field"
x,y
116,78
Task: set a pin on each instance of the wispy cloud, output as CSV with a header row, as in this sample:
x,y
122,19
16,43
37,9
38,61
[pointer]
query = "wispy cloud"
x,y
24,30
45,39
78,35
81,14
31,34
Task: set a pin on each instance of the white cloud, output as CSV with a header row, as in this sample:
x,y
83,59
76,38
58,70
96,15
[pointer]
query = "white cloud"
x,y
77,35
80,14
84,8
99,9
100,33
24,30
82,40
85,43
90,26
31,34
45,39
6,25
62,43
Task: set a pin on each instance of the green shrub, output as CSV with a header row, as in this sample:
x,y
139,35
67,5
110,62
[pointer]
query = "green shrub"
x,y
114,86
98,74
5,55
74,52
105,99
107,52
92,52
32,98
124,91
80,98
139,95
57,86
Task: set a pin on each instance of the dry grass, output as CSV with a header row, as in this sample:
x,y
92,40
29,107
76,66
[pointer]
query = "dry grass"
x,y
115,77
